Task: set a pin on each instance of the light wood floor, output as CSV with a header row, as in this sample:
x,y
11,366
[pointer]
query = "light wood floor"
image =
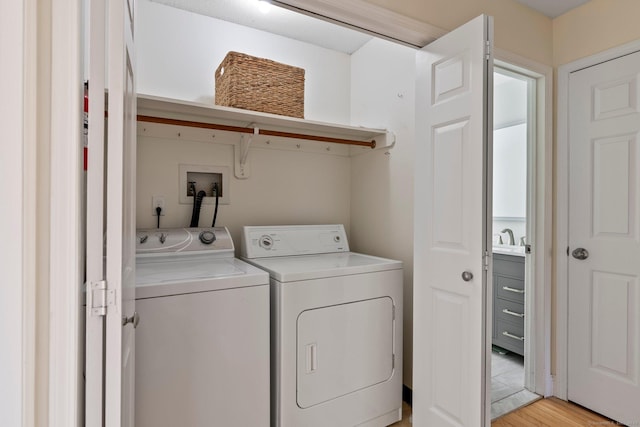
x,y
549,412
552,412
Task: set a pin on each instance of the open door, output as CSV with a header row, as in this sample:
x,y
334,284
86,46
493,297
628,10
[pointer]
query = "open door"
x,y
111,318
452,226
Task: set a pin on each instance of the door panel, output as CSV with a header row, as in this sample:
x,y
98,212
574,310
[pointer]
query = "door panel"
x,y
453,110
343,348
448,186
120,230
604,294
613,211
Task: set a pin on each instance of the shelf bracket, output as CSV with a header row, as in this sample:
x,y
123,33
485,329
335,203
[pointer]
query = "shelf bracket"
x,y
242,168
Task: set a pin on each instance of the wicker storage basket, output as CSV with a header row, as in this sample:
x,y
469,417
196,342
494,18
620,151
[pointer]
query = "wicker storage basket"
x,y
258,84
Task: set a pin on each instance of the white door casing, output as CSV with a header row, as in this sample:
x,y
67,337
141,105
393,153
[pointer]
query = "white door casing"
x,y
452,226
120,230
94,323
603,289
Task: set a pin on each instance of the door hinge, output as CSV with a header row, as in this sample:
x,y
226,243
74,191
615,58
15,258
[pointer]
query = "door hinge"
x,y
486,260
101,298
487,49
527,249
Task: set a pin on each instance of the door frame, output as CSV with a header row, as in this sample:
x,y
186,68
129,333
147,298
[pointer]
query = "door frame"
x,y
18,226
540,215
562,207
66,257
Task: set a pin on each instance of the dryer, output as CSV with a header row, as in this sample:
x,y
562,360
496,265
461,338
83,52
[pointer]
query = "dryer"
x,y
336,327
202,344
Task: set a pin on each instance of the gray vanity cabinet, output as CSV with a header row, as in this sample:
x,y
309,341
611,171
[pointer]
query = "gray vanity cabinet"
x,y
508,302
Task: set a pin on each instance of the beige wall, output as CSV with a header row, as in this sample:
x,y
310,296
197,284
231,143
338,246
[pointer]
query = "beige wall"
x,y
284,187
517,28
594,27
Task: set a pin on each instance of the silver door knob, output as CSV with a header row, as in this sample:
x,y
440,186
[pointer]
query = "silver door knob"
x,y
467,276
580,253
135,319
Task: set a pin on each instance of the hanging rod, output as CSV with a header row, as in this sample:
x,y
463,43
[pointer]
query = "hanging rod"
x,y
201,125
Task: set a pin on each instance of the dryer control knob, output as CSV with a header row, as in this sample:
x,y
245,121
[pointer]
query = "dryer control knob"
x,y
207,237
265,242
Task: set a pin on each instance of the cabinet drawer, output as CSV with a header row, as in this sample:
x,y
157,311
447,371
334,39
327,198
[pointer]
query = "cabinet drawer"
x,y
509,311
509,289
508,265
510,336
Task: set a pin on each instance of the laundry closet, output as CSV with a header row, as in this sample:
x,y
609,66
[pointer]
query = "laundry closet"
x,y
283,181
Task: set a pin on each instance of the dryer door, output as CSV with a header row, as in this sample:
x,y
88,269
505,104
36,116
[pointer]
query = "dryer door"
x,y
343,349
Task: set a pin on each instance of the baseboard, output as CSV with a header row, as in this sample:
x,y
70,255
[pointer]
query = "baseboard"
x,y
407,394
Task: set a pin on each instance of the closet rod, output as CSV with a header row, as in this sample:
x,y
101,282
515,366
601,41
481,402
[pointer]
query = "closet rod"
x,y
188,123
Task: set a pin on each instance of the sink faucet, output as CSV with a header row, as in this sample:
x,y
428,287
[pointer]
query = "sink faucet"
x,y
512,240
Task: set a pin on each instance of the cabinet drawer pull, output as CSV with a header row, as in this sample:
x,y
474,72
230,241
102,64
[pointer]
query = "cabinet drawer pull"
x,y
512,313
515,337
517,291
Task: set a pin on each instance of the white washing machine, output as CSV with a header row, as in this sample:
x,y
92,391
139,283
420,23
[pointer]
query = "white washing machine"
x,y
336,328
202,344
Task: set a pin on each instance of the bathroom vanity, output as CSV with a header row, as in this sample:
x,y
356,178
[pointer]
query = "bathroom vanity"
x,y
508,301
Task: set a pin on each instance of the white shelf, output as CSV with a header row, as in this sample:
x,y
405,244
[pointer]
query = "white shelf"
x,y
205,113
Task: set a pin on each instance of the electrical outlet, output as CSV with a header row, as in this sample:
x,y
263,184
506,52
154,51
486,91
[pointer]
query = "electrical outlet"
x,y
157,202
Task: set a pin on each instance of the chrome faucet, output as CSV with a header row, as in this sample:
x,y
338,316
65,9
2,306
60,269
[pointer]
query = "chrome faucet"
x,y
512,240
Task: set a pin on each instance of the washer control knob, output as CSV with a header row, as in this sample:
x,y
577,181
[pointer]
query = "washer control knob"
x,y
207,237
336,239
265,242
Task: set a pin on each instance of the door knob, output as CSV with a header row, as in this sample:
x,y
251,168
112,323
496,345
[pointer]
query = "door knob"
x,y
135,319
580,253
467,276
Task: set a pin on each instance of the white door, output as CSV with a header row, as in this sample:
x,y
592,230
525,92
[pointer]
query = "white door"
x,y
113,394
604,220
452,225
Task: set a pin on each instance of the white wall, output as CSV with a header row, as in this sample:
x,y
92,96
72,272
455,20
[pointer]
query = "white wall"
x,y
382,95
510,172
179,51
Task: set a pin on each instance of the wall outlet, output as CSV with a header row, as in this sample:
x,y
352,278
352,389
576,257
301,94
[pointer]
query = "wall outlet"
x,y
157,202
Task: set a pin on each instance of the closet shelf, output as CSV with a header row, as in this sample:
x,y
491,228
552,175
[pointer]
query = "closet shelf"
x,y
192,114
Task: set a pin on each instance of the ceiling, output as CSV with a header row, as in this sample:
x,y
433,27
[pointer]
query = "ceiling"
x,y
276,20
553,8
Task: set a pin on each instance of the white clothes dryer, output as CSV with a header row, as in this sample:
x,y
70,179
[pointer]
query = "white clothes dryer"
x,y
202,344
336,328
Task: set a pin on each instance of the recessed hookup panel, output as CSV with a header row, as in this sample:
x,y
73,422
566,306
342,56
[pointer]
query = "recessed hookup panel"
x,y
203,178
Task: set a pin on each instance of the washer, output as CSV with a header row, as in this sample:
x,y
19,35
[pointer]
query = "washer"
x,y
336,328
202,344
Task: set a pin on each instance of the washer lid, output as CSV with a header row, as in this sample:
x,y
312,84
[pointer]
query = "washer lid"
x,y
197,273
308,267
